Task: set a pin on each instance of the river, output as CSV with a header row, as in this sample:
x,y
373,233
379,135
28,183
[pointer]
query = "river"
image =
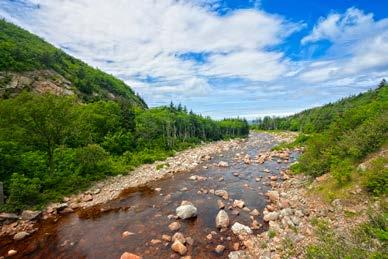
x,y
97,232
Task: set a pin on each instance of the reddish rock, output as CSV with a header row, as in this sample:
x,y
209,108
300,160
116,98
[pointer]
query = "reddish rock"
x,y
128,255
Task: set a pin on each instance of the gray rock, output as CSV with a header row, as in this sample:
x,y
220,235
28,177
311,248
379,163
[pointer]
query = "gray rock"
x,y
239,255
240,229
222,219
186,211
31,215
271,216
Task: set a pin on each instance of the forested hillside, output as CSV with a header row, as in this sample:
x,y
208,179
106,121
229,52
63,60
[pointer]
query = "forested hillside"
x,y
53,143
21,52
341,135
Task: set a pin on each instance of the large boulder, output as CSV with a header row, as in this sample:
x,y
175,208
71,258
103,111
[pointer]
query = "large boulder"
x,y
186,211
222,219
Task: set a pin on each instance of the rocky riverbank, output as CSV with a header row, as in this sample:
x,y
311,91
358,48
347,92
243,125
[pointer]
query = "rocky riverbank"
x,y
293,212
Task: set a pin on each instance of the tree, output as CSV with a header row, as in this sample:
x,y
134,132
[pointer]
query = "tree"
x,y
44,121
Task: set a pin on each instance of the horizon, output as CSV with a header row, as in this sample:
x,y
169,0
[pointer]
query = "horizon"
x,y
221,59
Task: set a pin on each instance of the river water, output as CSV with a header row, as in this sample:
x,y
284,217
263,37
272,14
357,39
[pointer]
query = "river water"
x,y
97,232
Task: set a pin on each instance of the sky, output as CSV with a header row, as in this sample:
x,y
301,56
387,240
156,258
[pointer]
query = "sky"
x,y
222,58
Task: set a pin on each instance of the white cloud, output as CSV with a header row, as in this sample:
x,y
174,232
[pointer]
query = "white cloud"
x,y
359,46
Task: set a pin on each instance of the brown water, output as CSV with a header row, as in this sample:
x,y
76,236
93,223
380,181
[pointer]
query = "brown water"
x,y
96,232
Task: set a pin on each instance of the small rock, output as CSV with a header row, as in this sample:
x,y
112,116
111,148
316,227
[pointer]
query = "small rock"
x,y
222,219
239,204
158,189
128,255
186,211
273,196
179,236
254,212
174,226
189,241
219,249
209,237
166,238
222,193
126,234
220,204
236,246
12,252
155,241
223,164
87,197
20,235
271,216
240,229
178,247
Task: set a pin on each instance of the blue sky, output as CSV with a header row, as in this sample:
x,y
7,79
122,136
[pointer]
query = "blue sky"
x,y
222,58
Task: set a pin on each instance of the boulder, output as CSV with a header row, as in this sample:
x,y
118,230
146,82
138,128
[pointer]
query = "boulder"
x,y
186,211
8,217
222,219
166,238
30,214
240,229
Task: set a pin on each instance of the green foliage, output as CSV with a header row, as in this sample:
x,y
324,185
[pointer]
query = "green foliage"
x,y
376,180
341,134
22,51
52,146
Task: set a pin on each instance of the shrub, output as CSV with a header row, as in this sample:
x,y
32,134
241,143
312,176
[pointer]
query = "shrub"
x,y
24,192
342,170
93,160
376,180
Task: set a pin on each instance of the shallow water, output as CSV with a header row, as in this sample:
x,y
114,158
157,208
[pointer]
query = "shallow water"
x,y
96,232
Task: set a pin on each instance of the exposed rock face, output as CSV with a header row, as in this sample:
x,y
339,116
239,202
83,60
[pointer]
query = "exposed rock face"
x,y
186,211
40,81
240,229
222,219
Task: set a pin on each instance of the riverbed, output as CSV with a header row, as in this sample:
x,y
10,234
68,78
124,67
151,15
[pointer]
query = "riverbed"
x,y
145,212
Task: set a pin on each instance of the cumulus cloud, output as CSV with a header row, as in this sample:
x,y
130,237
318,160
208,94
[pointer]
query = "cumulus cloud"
x,y
359,46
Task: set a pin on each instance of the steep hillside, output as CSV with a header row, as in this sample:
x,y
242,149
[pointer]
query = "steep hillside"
x,y
320,118
29,63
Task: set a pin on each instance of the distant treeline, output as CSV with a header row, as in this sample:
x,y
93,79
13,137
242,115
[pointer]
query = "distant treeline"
x,y
51,146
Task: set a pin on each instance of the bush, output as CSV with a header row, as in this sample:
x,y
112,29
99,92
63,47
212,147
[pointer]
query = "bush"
x,y
376,180
24,192
342,170
93,160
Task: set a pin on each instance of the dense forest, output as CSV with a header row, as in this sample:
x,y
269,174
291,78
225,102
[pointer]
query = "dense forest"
x,y
340,135
53,145
21,51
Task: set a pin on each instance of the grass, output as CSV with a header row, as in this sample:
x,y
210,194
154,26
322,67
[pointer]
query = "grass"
x,y
368,240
